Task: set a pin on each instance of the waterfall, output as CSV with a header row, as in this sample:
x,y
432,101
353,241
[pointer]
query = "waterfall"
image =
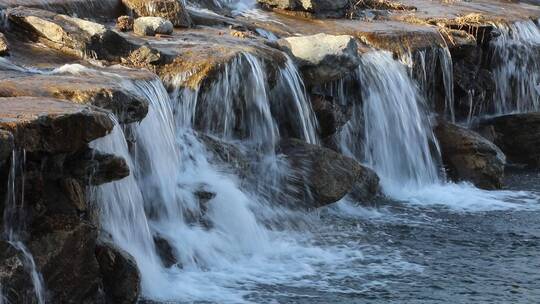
x,y
397,132
516,68
390,132
14,223
424,66
241,105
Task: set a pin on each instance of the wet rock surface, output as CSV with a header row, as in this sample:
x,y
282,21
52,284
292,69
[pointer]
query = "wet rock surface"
x,y
121,278
470,157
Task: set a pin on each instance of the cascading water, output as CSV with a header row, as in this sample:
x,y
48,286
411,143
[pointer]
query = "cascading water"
x,y
516,68
14,224
390,132
397,132
424,64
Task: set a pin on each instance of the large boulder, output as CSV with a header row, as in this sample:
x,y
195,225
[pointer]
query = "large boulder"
x,y
322,57
468,156
150,26
322,8
323,176
518,135
172,10
4,49
69,34
52,125
121,277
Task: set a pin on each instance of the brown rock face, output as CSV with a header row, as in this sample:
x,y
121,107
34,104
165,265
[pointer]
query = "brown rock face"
x,y
68,34
4,49
99,90
470,157
172,10
121,278
328,175
51,125
518,135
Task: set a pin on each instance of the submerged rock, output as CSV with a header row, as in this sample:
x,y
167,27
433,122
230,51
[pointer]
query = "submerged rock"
x,y
4,49
518,135
121,277
150,26
468,156
51,125
172,10
323,58
327,175
68,34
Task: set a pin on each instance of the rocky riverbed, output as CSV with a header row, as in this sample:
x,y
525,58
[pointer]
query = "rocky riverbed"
x,y
228,151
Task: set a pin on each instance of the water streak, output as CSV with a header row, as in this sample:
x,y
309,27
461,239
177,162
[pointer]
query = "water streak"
x,y
14,222
516,68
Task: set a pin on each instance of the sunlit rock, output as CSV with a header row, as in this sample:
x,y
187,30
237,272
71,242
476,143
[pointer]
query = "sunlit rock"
x,y
4,49
150,26
87,88
172,10
52,125
323,58
69,34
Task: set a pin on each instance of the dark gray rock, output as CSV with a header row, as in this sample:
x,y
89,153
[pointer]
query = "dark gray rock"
x,y
326,175
518,135
121,277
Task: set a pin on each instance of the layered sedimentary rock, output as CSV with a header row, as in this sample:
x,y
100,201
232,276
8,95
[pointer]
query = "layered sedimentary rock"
x,y
51,212
468,156
87,88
